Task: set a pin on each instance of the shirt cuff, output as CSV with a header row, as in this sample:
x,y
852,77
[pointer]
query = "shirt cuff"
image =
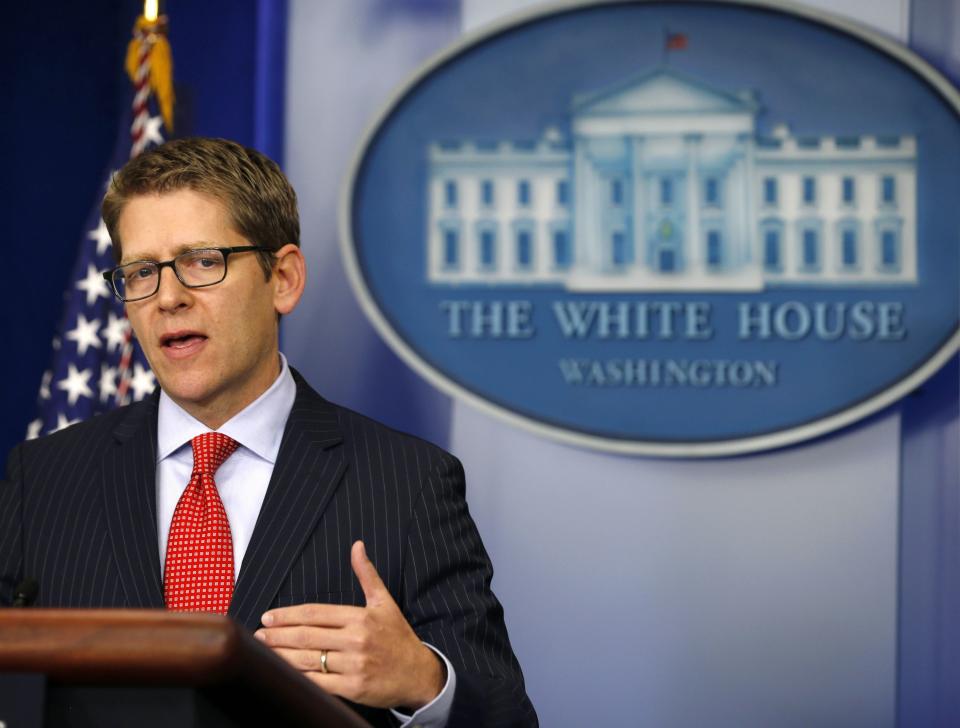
x,y
435,713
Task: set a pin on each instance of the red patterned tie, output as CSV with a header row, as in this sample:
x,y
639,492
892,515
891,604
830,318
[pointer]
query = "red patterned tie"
x,y
198,574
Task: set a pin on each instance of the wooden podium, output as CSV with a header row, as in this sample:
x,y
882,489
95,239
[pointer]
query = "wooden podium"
x,y
106,667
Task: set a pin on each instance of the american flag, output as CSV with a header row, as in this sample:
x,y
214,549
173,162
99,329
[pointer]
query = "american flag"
x,y
96,364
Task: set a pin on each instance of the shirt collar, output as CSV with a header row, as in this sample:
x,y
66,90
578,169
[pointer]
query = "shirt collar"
x,y
258,427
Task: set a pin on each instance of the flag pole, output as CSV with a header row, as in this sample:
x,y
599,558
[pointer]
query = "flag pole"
x,y
150,69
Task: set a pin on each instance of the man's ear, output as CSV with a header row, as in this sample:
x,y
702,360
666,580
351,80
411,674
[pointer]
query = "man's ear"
x,y
289,278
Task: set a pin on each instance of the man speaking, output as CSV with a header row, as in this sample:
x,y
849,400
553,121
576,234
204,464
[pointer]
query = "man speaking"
x,y
345,546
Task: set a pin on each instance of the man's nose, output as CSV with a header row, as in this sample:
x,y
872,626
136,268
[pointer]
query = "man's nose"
x,y
171,294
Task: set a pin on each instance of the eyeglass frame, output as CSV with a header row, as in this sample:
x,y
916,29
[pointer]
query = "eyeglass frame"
x,y
161,264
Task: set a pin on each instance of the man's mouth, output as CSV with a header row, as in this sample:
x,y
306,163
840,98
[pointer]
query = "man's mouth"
x,y
178,340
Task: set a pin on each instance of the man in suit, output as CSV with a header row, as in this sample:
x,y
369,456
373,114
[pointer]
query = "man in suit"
x,y
346,546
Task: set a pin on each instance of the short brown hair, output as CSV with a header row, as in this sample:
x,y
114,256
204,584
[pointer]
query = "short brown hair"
x,y
258,197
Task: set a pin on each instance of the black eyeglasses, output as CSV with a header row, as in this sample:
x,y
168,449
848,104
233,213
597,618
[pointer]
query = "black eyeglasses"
x,y
194,269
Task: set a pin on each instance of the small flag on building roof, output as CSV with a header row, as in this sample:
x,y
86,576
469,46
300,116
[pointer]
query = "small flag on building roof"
x,y
675,41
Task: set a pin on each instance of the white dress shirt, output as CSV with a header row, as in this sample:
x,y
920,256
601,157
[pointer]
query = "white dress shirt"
x,y
242,483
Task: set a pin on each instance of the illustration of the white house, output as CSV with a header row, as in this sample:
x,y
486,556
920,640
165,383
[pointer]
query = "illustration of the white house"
x,y
664,184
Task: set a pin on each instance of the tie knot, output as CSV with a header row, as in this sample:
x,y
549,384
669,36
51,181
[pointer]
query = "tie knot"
x,y
210,450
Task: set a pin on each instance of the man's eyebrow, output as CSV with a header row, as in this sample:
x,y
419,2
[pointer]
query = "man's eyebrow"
x,y
179,250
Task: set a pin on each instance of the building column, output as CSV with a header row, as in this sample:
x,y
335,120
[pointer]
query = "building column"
x,y
693,252
469,236
869,243
543,260
789,246
543,189
749,248
639,203
434,235
584,217
599,248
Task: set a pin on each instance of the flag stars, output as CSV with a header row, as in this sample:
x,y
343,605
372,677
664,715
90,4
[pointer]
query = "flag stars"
x,y
63,422
115,332
85,334
45,385
108,381
93,285
151,133
143,381
95,335
75,385
33,429
151,130
102,237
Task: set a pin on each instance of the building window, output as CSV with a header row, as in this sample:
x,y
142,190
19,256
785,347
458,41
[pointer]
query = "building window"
x,y
848,247
809,191
523,192
666,191
616,192
450,193
486,193
771,239
451,248
524,248
620,247
667,260
563,192
714,249
770,191
889,249
562,253
771,249
711,191
888,190
810,248
848,192
488,248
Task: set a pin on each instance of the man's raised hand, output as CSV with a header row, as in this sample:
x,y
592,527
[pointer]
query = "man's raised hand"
x,y
369,654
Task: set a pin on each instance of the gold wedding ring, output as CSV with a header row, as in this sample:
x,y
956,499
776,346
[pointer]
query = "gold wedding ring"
x,y
323,662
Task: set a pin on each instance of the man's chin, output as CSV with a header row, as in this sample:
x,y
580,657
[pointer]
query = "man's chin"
x,y
189,394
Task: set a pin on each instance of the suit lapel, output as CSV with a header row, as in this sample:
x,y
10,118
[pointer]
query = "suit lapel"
x,y
309,467
129,487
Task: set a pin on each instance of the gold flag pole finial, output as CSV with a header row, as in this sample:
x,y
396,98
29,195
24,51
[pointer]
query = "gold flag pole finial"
x,y
150,61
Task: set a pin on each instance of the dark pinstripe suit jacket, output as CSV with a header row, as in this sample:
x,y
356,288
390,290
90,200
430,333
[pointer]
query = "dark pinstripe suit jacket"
x,y
78,514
